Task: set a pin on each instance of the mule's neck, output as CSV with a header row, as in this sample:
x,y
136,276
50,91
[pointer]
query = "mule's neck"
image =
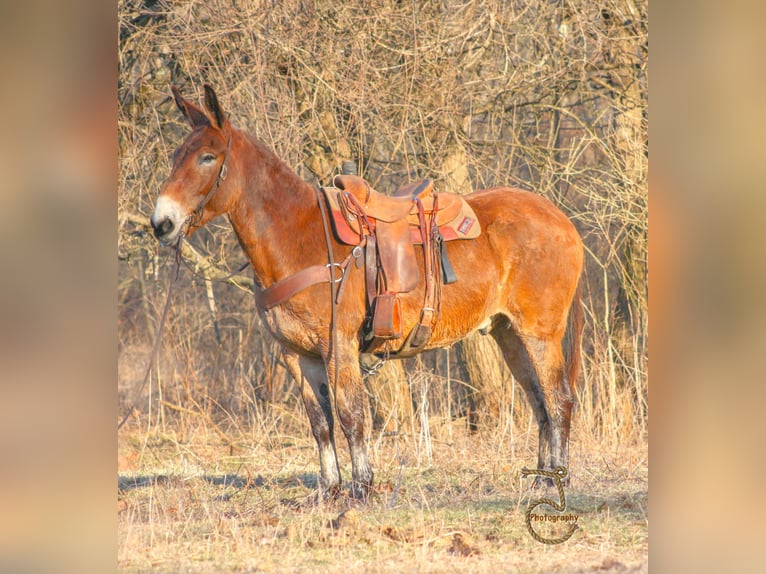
x,y
275,215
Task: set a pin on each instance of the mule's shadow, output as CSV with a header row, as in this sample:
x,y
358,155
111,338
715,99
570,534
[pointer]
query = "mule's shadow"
x,y
305,480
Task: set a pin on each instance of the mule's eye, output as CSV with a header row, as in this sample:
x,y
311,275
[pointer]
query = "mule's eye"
x,y
207,159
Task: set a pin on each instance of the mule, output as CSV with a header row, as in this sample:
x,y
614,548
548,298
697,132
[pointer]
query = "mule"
x,y
518,281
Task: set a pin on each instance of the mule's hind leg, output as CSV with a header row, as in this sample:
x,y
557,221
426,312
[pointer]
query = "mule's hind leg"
x,y
310,374
548,359
517,358
538,365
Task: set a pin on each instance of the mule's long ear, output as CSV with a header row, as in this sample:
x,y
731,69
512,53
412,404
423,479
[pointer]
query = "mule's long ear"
x,y
195,115
212,105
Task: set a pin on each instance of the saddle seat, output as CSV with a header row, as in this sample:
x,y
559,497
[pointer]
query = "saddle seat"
x,y
401,204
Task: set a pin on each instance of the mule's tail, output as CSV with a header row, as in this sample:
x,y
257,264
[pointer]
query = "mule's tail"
x,y
573,338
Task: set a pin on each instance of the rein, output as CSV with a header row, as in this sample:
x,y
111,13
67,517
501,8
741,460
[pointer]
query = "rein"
x,y
157,337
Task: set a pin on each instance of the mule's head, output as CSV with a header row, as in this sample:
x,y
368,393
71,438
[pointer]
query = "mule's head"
x,y
196,189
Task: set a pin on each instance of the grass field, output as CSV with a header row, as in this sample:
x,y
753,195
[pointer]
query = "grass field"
x,y
202,502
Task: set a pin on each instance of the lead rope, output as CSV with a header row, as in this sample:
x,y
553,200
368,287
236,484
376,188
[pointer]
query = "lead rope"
x,y
158,336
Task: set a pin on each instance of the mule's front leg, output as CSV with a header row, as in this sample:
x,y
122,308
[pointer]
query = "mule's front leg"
x,y
311,376
352,407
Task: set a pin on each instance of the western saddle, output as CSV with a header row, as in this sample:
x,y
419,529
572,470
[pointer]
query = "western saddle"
x,y
385,229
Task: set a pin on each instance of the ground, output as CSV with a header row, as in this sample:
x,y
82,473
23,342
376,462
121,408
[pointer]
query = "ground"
x,y
202,503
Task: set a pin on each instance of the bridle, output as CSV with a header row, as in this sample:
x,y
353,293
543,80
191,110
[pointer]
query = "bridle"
x,y
194,217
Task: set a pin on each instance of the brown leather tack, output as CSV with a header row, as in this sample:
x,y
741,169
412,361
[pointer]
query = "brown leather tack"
x,y
387,320
388,228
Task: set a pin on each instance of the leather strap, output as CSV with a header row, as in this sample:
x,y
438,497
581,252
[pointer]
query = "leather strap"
x,y
371,268
157,338
366,225
283,290
421,332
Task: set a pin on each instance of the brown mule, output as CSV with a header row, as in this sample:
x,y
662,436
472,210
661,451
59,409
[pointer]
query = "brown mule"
x,y
519,279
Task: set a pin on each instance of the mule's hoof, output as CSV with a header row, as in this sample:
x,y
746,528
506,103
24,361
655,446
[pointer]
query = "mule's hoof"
x,y
310,502
360,492
322,497
330,494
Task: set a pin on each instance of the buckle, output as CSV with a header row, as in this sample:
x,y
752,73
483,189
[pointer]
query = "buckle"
x,y
336,266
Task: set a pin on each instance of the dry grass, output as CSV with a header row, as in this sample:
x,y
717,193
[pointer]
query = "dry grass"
x,y
238,495
194,504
